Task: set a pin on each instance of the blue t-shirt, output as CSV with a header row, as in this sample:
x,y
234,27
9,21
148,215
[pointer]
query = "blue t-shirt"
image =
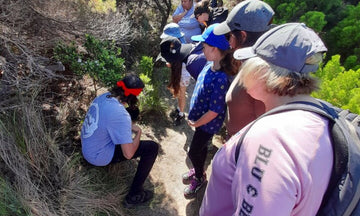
x,y
188,24
107,123
209,94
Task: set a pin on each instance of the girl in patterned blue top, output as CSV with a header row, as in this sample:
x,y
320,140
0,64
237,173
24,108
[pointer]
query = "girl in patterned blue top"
x,y
207,106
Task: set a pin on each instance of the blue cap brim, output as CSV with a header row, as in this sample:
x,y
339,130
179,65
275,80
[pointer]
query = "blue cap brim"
x,y
197,38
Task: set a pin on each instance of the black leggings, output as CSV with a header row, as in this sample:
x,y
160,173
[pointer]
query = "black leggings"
x,y
147,152
198,151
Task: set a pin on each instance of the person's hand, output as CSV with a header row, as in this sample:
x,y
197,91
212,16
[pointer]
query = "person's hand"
x,y
135,128
185,12
191,123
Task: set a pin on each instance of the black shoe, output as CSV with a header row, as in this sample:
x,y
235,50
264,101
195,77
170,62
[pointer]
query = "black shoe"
x,y
136,199
174,113
179,119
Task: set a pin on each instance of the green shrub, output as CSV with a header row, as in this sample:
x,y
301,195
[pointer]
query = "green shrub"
x,y
150,99
339,86
101,60
146,66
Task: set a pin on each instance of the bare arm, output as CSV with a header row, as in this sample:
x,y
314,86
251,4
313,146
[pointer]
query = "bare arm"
x,y
178,17
130,148
206,118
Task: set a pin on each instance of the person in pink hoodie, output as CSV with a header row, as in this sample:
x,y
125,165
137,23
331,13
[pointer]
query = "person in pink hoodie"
x,y
285,160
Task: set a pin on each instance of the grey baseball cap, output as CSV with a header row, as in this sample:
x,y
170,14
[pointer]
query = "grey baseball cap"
x,y
249,15
287,46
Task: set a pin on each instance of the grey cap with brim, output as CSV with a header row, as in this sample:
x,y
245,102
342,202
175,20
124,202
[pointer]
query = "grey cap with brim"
x,y
287,46
249,15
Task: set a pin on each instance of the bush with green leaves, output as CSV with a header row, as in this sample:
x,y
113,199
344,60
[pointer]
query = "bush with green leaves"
x,y
339,86
101,60
150,97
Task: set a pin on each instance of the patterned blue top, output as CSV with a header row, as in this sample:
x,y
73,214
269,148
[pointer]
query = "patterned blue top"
x,y
209,94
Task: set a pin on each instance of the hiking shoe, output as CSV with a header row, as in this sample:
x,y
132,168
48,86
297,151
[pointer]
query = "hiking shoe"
x,y
188,176
174,113
179,119
136,199
195,185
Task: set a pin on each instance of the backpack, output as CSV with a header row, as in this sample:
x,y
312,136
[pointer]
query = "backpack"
x,y
343,192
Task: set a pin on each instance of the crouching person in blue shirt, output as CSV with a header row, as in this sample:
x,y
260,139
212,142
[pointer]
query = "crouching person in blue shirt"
x,y
106,135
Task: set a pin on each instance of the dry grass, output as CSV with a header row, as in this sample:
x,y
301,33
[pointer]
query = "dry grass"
x,y
45,180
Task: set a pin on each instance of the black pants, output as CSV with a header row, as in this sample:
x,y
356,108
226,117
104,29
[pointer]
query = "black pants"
x,y
147,152
198,151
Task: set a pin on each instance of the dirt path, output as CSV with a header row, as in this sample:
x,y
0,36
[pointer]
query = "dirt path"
x,y
172,162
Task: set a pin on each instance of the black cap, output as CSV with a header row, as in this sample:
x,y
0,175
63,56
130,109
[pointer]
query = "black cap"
x,y
172,50
131,84
132,81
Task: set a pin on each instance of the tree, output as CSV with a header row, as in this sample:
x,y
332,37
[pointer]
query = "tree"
x,y
344,38
292,10
336,20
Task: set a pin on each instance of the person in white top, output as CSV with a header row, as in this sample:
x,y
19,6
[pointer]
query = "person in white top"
x,y
285,160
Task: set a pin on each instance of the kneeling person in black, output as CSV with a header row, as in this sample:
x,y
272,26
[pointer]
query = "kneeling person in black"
x,y
106,135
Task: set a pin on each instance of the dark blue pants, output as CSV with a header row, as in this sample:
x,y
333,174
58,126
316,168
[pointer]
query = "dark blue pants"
x,y
147,153
198,151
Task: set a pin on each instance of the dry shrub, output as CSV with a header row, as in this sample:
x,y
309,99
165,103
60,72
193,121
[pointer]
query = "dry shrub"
x,y
41,23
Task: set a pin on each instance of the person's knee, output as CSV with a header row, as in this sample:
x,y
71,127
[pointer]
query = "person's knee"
x,y
197,152
156,147
153,147
193,153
